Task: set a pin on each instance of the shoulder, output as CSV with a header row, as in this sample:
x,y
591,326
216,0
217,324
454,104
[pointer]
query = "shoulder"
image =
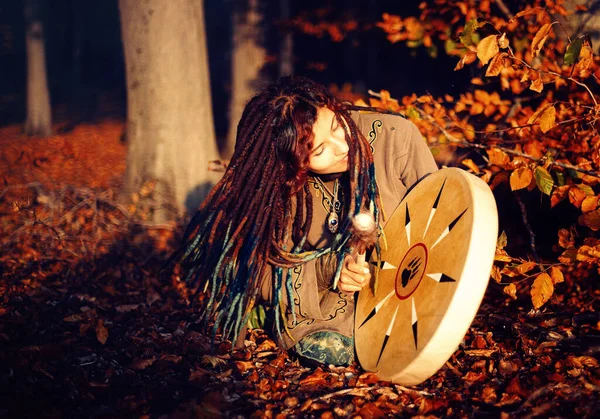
x,y
386,131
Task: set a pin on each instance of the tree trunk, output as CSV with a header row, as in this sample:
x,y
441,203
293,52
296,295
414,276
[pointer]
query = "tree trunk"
x,y
286,47
39,120
248,58
170,131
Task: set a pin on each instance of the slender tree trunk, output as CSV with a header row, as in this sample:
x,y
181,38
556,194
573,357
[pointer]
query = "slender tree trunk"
x,y
170,131
248,58
286,47
39,119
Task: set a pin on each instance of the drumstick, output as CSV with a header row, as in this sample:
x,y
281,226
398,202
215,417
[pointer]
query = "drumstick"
x,y
364,235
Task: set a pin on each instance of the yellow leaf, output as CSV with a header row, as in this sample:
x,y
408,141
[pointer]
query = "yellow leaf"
x,y
487,48
496,275
511,290
496,65
520,178
502,241
541,290
101,332
556,275
586,62
537,85
547,119
540,38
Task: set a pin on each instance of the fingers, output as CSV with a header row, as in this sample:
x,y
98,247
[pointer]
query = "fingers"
x,y
353,266
354,276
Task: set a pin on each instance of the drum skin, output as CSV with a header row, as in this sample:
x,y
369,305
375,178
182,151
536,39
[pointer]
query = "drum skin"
x,y
441,242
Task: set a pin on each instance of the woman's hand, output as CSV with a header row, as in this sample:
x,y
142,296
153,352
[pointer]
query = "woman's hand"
x,y
354,275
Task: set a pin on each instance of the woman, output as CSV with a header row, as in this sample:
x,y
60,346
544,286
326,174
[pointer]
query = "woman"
x,y
277,227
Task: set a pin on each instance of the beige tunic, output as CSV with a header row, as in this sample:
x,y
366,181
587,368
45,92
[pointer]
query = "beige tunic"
x,y
401,157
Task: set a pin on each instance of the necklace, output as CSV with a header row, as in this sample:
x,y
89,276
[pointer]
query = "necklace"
x,y
333,219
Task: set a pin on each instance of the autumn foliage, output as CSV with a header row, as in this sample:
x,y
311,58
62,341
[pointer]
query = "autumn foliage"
x,y
531,115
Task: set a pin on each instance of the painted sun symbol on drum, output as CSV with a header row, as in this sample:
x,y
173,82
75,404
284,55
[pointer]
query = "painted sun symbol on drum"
x,y
412,270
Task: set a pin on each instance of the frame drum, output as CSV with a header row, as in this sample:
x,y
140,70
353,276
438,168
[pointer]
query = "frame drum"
x,y
441,242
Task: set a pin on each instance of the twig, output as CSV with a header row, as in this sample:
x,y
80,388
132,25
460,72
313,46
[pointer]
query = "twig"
x,y
529,230
410,390
504,9
355,391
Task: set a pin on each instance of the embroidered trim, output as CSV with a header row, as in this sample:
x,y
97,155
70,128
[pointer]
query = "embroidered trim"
x,y
376,128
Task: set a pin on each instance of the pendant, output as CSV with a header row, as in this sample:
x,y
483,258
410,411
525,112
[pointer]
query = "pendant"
x,y
332,222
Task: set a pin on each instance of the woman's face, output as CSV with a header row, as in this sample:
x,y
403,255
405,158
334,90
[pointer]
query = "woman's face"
x,y
329,153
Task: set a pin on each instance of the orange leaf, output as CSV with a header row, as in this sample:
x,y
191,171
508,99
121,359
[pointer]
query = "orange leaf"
x,y
466,59
540,38
547,119
526,267
541,290
511,290
556,275
565,238
496,65
142,364
559,194
520,178
534,149
487,48
537,85
590,219
471,165
498,157
101,332
527,12
576,196
590,203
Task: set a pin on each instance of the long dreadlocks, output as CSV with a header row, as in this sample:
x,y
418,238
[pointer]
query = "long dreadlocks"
x,y
258,216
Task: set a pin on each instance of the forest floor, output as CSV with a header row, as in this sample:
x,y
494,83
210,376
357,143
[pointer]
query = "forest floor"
x,y
89,327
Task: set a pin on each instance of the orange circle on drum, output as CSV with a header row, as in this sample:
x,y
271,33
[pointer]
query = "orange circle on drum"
x,y
411,271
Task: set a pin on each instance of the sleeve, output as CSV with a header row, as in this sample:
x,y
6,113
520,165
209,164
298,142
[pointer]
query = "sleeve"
x,y
309,281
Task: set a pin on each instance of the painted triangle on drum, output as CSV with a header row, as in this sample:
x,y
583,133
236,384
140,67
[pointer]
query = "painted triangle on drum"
x,y
376,309
439,277
434,208
449,228
414,322
407,225
383,265
387,335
